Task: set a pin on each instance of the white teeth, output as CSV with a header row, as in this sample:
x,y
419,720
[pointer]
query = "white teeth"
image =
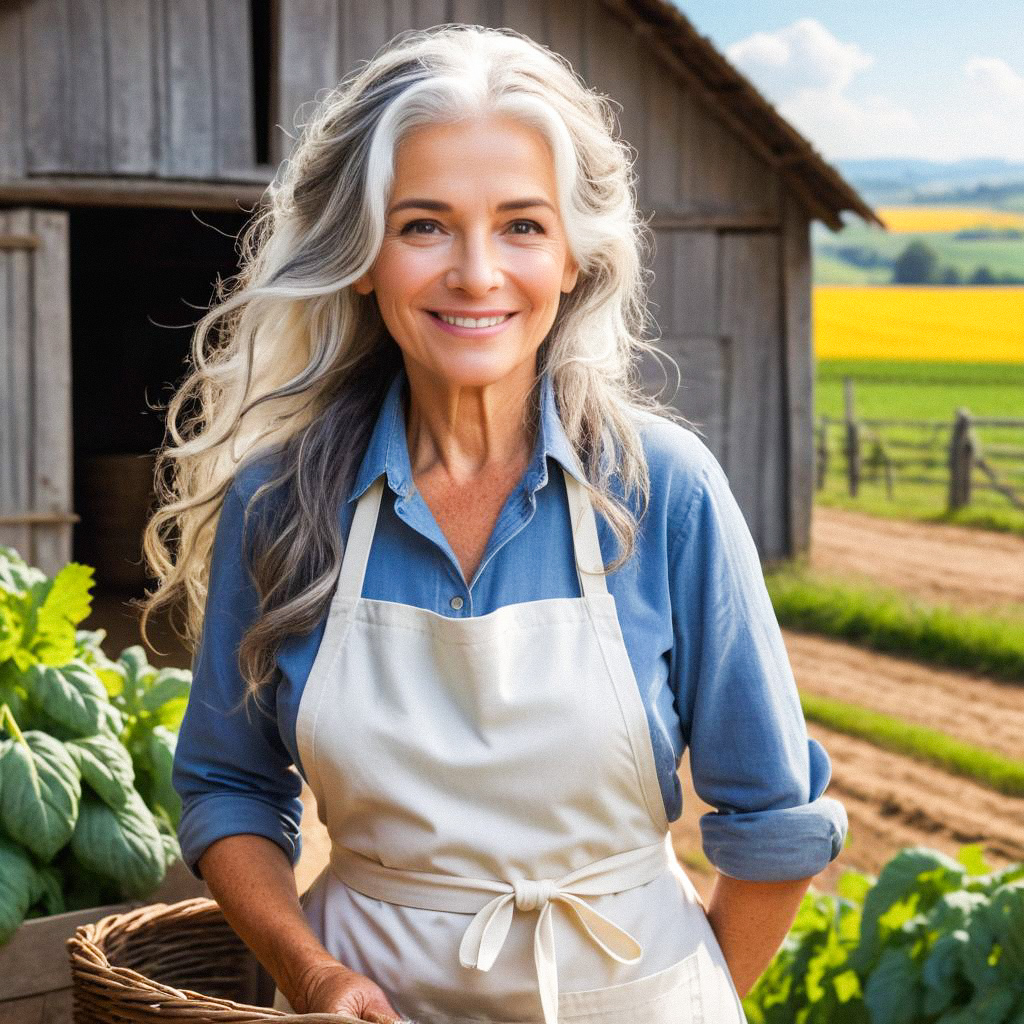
x,y
465,321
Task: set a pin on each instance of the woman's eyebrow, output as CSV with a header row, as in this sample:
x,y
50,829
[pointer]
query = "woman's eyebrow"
x,y
439,207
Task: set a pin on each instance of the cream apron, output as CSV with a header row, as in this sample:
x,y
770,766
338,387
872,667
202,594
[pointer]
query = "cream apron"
x,y
500,848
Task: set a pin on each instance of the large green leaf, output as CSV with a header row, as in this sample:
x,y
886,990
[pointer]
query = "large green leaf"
x,y
986,1008
10,625
125,844
88,648
49,889
941,972
40,793
168,684
160,746
105,765
16,575
67,602
11,690
17,885
137,674
1005,915
73,696
892,992
911,882
172,849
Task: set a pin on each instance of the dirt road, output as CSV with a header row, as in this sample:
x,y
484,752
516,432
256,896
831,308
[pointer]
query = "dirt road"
x,y
968,707
939,563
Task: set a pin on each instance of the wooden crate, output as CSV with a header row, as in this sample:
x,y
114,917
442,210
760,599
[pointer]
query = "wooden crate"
x,y
35,973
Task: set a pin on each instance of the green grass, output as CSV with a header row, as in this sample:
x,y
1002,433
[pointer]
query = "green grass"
x,y
895,623
921,503
933,391
985,766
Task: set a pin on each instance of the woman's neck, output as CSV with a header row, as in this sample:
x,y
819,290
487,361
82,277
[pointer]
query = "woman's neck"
x,y
464,433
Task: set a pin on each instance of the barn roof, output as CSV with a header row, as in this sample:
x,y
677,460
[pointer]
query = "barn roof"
x,y
666,30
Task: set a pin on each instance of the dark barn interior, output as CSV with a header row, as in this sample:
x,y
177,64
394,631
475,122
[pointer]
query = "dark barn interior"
x,y
140,279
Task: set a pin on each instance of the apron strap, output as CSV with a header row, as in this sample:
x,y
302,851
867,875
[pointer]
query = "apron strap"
x,y
587,547
360,537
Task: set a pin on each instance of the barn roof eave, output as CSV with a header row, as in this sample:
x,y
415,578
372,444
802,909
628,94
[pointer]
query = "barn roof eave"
x,y
817,185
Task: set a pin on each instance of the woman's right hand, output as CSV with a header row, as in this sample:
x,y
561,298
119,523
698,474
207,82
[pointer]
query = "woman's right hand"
x,y
335,988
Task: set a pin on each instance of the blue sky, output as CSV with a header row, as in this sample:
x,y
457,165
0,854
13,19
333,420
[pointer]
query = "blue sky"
x,y
936,79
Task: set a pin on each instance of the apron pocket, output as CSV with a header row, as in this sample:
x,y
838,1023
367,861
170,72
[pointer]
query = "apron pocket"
x,y
670,996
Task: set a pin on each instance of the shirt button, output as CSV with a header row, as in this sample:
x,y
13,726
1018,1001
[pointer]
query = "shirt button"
x,y
456,603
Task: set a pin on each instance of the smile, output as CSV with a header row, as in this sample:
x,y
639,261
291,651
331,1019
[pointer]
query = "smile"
x,y
473,323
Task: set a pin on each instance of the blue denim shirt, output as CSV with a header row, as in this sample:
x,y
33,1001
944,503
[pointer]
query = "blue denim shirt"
x,y
697,621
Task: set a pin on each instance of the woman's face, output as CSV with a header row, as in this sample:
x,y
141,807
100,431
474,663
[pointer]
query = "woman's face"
x,y
473,231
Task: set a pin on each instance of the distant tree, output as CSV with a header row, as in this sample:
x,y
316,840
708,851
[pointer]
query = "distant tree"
x,y
982,275
917,264
950,275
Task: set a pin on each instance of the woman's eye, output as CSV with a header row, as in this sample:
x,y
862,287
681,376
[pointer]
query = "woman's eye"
x,y
528,223
408,229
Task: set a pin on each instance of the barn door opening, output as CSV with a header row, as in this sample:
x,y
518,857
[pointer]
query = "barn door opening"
x,y
36,513
140,278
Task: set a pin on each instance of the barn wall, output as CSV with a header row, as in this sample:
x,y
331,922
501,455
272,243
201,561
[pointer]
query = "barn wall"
x,y
164,88
158,88
35,387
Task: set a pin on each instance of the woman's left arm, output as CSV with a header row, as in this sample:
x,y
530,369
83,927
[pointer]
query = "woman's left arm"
x,y
750,920
772,828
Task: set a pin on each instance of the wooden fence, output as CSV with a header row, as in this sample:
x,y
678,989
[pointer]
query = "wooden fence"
x,y
951,447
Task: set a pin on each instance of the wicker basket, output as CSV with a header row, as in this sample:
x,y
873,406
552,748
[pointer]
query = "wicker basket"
x,y
172,962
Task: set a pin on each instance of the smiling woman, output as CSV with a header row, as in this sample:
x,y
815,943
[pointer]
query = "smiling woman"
x,y
483,593
478,269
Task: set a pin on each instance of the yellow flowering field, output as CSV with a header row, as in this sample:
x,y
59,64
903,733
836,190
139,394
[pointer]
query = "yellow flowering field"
x,y
919,322
942,218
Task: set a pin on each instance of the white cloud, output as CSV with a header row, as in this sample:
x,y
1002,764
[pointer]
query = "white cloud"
x,y
995,82
806,71
804,55
992,110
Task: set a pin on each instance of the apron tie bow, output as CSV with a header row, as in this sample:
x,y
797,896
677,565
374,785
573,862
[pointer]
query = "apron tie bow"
x,y
531,895
484,937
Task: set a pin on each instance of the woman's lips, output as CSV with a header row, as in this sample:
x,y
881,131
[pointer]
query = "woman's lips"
x,y
471,332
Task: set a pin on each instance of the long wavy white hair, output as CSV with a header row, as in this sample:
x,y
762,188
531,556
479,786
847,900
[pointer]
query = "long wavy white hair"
x,y
292,363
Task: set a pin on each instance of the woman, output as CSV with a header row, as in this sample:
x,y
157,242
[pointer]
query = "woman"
x,y
481,592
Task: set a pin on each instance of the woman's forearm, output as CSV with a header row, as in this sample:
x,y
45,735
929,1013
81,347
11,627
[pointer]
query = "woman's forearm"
x,y
750,920
252,881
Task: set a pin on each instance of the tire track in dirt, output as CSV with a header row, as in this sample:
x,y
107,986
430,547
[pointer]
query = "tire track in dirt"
x,y
934,561
963,705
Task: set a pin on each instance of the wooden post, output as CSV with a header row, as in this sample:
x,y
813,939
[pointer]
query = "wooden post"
x,y
961,460
821,463
852,438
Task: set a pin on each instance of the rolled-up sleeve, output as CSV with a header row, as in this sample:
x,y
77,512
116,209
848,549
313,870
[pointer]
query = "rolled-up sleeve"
x,y
750,754
232,771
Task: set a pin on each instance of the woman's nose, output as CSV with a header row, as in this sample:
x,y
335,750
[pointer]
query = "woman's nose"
x,y
476,269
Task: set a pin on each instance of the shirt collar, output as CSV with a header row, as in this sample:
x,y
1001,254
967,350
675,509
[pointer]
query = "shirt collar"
x,y
388,450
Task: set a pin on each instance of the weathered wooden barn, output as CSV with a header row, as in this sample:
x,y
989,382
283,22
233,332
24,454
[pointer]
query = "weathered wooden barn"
x,y
136,135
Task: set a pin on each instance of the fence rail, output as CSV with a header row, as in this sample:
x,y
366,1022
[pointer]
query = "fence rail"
x,y
953,445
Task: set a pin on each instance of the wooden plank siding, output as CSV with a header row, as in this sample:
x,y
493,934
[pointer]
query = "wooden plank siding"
x,y
163,90
35,388
159,88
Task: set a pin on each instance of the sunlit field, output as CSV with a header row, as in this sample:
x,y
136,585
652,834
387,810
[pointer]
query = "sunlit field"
x,y
930,323
939,218
930,392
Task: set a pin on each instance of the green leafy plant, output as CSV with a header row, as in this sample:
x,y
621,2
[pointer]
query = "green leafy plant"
x,y
932,940
87,812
